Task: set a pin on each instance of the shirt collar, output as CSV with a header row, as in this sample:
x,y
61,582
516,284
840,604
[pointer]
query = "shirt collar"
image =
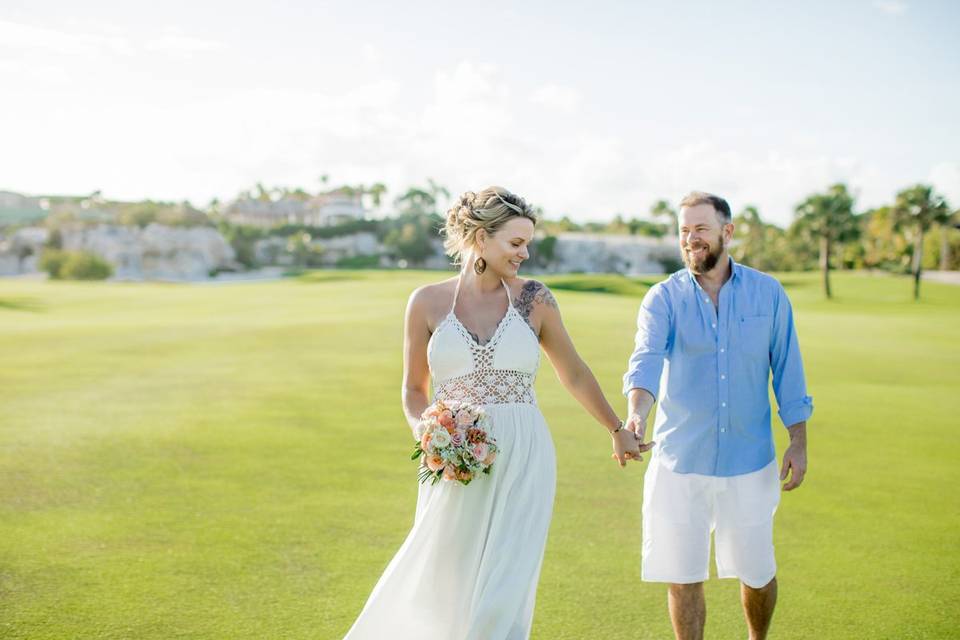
x,y
735,276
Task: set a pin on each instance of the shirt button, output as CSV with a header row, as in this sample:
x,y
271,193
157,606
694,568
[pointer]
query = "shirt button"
x,y
722,430
723,376
723,404
714,325
706,299
722,350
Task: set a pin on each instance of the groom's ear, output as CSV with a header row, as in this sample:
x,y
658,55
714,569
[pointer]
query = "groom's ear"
x,y
728,231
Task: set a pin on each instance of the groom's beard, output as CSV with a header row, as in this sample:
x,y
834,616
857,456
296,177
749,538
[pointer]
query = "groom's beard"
x,y
703,261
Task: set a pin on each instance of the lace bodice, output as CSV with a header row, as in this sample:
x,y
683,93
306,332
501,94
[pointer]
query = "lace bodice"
x,y
501,371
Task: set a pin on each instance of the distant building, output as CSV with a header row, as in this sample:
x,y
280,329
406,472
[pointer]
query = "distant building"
x,y
16,208
606,253
321,210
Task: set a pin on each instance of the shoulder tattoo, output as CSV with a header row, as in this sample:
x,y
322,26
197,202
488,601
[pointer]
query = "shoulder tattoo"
x,y
534,293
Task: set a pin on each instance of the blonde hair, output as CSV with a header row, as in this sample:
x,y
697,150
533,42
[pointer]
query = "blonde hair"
x,y
488,210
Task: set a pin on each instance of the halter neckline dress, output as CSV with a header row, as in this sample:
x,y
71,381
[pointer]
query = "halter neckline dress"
x,y
468,569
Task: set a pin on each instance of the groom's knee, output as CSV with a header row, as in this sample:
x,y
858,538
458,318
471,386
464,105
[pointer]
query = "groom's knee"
x,y
681,590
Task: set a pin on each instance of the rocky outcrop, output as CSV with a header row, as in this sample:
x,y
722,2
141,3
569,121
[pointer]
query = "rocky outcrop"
x,y
156,252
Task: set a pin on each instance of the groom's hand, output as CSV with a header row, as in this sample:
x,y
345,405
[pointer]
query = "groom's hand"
x,y
625,447
638,425
795,457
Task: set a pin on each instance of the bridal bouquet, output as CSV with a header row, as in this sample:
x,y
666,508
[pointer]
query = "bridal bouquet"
x,y
453,443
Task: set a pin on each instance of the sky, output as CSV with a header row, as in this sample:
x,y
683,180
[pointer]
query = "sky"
x,y
586,109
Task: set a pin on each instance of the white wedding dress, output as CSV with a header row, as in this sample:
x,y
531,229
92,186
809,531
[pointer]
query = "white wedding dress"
x,y
468,569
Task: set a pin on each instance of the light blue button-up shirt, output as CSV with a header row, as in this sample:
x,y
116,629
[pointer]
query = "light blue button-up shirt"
x,y
709,369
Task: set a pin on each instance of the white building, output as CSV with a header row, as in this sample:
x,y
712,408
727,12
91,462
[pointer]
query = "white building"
x,y
321,210
20,251
605,253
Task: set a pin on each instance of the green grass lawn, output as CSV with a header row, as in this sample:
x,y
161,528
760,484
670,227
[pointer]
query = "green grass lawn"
x,y
183,461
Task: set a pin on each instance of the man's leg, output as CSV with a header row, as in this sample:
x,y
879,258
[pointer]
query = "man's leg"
x,y
688,610
758,605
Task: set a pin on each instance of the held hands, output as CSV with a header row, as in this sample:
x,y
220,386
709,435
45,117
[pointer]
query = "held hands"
x,y
628,442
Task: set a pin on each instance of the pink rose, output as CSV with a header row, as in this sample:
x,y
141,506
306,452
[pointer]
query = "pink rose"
x,y
480,451
457,438
465,418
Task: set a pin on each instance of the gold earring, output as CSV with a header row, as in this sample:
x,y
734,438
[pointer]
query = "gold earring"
x,y
479,266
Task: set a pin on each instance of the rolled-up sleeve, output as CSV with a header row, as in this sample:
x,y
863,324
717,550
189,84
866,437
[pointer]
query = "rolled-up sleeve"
x,y
789,384
651,344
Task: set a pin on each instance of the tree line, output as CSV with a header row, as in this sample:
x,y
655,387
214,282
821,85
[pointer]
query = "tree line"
x,y
917,231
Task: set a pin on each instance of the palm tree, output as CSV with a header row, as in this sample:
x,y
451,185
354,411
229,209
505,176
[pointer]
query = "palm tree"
x,y
750,237
827,218
953,222
917,209
438,191
415,201
662,208
376,191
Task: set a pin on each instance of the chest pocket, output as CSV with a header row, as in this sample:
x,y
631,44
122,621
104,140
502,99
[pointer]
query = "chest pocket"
x,y
755,336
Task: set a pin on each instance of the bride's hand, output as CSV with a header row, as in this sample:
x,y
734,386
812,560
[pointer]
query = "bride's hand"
x,y
625,446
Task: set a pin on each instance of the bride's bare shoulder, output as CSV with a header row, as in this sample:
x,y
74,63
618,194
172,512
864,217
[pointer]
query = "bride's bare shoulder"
x,y
529,293
432,300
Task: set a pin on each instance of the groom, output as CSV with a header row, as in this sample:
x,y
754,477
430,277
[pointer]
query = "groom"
x,y
707,340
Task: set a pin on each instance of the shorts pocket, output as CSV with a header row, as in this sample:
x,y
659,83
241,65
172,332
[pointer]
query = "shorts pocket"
x,y
756,496
675,498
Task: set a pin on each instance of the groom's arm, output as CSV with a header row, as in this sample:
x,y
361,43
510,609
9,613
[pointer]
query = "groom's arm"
x,y
789,384
790,389
639,403
641,382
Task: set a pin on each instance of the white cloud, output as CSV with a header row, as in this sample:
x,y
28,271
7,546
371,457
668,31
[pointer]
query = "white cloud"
x,y
105,39
891,7
176,42
470,128
22,36
552,96
371,53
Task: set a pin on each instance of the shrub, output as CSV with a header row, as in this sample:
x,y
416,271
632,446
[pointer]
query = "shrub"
x,y
371,261
51,261
75,265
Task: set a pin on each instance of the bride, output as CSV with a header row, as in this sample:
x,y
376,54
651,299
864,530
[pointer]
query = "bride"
x,y
469,567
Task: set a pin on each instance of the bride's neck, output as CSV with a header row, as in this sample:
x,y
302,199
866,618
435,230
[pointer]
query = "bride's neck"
x,y
486,282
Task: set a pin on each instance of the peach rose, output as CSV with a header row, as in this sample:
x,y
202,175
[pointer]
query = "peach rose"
x,y
446,419
491,456
434,462
449,473
463,475
425,440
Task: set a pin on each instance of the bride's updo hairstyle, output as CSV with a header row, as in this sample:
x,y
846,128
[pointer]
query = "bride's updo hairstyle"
x,y
489,210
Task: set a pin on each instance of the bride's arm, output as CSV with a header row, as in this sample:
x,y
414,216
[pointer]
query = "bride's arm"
x,y
574,374
416,372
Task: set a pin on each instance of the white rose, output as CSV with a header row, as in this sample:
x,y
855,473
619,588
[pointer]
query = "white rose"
x,y
440,438
419,430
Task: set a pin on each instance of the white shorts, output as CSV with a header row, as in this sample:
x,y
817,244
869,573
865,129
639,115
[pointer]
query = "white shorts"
x,y
680,510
